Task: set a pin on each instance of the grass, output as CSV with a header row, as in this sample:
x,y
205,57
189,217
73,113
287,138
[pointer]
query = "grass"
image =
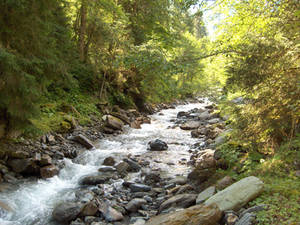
x,y
277,171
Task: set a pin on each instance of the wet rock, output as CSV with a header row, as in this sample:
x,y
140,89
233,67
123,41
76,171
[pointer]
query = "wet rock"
x,y
48,171
139,187
238,194
135,204
67,211
182,114
135,124
90,209
84,141
122,168
96,179
152,178
107,169
224,182
109,161
179,201
24,166
191,125
247,219
206,194
109,213
196,215
157,145
133,166
113,122
84,195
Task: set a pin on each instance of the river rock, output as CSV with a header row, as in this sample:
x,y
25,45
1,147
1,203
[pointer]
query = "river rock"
x,y
109,161
107,169
157,145
48,171
180,180
84,141
179,201
135,204
204,115
206,159
90,209
196,215
139,187
191,125
133,166
96,179
204,195
113,122
67,211
238,194
198,176
110,214
254,209
24,166
182,114
152,178
135,124
213,121
122,168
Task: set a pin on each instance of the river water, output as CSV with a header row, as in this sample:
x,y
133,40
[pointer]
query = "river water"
x,y
33,201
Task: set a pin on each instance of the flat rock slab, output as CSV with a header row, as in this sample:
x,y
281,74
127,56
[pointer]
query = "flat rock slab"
x,y
95,179
196,215
238,194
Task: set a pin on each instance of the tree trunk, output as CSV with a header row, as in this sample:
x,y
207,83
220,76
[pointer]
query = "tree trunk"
x,y
82,30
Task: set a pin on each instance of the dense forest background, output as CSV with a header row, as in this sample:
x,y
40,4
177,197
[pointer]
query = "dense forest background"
x,y
62,61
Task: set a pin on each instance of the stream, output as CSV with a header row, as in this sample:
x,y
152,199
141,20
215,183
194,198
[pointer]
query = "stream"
x,y
33,201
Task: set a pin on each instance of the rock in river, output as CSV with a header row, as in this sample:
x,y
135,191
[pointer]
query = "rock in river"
x,y
135,204
67,211
96,179
139,188
196,215
84,141
158,145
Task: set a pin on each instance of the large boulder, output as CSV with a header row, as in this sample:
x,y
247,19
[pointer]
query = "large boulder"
x,y
113,122
83,141
67,211
179,201
157,145
191,125
238,194
196,215
24,166
96,179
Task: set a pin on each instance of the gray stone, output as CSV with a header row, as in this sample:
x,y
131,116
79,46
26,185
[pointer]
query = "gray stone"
x,y
84,141
122,168
109,213
139,188
135,204
113,122
255,208
157,145
213,121
238,194
133,166
191,125
109,161
178,180
247,219
95,179
67,211
179,201
107,169
204,195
